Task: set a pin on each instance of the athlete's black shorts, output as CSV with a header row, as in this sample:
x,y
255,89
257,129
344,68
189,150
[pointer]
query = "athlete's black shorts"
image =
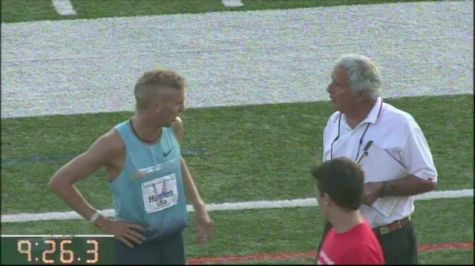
x,y
168,250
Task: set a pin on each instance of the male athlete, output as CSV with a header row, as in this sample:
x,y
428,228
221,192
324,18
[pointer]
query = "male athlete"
x,y
147,177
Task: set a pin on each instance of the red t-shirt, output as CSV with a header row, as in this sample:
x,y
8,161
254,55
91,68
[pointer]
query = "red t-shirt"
x,y
358,245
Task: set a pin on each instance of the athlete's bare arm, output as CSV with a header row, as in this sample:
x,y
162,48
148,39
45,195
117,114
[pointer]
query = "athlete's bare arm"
x,y
204,223
108,151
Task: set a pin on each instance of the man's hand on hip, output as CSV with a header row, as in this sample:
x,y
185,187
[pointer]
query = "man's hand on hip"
x,y
130,234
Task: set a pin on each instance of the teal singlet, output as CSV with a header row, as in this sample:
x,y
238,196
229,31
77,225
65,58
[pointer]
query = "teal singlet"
x,y
149,191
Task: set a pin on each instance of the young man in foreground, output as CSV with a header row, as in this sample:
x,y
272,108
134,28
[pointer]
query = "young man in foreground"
x,y
340,195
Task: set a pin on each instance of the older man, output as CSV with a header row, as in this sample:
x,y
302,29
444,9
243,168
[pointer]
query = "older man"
x,y
147,176
363,117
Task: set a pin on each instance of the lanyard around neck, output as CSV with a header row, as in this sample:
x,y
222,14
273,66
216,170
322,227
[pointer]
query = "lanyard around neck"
x,y
360,142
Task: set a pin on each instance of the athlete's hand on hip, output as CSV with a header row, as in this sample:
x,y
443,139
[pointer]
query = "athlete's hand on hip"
x,y
371,192
129,233
205,226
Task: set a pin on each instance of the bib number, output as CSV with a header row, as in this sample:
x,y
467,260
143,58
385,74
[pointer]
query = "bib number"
x,y
160,194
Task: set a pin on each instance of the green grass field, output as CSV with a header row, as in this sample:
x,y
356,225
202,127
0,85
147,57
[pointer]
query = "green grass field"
x,y
235,153
221,146
226,148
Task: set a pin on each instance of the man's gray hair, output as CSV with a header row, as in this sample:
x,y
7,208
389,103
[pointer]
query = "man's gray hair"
x,y
362,72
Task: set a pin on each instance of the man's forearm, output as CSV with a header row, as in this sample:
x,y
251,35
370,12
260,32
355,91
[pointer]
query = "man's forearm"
x,y
191,189
72,196
407,186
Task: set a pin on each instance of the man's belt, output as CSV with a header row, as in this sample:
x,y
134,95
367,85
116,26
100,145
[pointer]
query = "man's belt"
x,y
386,229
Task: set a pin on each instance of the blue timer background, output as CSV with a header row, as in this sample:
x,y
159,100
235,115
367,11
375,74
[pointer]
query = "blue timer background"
x,y
79,246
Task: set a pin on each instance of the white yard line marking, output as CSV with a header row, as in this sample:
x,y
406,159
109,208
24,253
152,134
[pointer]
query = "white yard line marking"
x,y
249,205
64,7
232,3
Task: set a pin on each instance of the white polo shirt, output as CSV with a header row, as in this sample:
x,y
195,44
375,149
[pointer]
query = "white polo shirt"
x,y
392,130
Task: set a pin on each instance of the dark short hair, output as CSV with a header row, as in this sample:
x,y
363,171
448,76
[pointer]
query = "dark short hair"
x,y
342,179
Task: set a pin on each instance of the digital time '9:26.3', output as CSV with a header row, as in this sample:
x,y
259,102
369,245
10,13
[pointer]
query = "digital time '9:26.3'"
x,y
57,250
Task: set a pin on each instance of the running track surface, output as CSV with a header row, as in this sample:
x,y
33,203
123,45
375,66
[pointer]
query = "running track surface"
x,y
311,254
234,58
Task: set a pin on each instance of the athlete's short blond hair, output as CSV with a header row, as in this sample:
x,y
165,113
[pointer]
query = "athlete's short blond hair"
x,y
147,86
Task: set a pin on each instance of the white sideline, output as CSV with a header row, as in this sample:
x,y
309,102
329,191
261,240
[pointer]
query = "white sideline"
x,y
248,205
64,7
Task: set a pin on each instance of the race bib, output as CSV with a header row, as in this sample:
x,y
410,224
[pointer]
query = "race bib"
x,y
160,193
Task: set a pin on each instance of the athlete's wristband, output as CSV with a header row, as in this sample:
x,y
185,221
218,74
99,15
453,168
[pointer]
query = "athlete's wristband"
x,y
94,217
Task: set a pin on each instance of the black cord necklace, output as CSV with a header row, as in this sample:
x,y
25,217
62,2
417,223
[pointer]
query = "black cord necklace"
x,y
362,135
